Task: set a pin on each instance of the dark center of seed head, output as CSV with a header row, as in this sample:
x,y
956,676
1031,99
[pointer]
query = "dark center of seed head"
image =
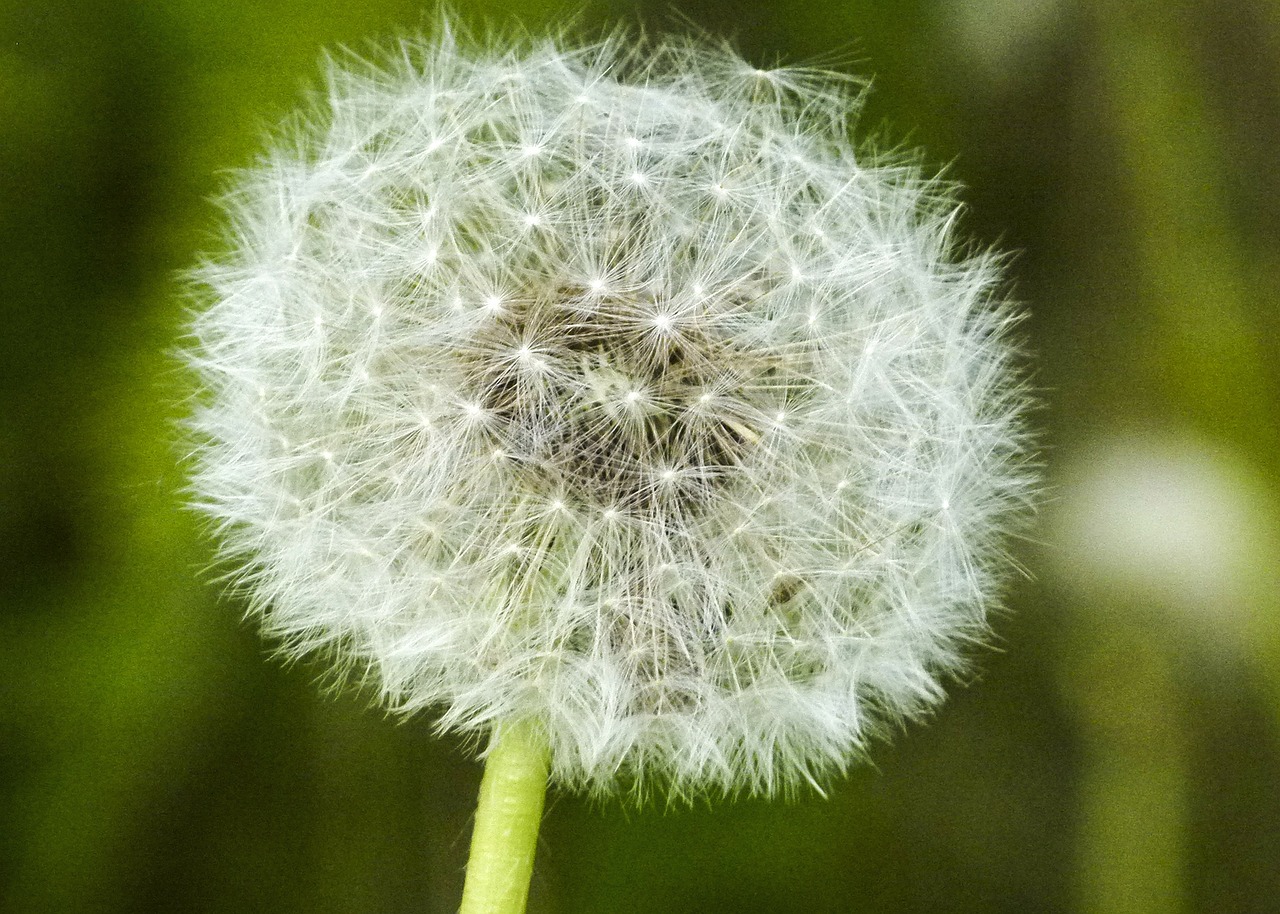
x,y
624,413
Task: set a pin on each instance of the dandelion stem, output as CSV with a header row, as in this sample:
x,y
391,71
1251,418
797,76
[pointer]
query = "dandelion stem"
x,y
509,812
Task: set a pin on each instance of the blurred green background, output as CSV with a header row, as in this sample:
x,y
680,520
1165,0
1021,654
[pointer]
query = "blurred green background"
x,y
1118,752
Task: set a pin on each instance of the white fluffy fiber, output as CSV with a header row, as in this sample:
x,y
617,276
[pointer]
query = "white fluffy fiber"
x,y
609,389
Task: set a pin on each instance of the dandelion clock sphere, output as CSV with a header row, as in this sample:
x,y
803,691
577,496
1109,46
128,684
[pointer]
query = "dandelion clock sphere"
x,y
608,392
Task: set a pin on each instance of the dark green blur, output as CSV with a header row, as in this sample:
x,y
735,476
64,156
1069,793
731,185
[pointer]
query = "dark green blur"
x,y
1119,750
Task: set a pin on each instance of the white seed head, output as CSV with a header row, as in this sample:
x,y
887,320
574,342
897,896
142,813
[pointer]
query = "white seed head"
x,y
609,389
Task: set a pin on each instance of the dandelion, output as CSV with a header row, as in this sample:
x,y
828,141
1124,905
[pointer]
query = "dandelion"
x,y
607,398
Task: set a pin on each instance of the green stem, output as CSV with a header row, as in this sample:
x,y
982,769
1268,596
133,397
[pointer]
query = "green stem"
x,y
507,818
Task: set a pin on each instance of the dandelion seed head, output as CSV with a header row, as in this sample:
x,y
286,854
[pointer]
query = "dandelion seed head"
x,y
708,494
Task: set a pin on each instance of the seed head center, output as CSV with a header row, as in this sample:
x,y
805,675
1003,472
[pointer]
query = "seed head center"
x,y
612,411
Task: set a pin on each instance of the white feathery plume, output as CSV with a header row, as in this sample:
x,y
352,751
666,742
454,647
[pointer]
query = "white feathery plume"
x,y
610,390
